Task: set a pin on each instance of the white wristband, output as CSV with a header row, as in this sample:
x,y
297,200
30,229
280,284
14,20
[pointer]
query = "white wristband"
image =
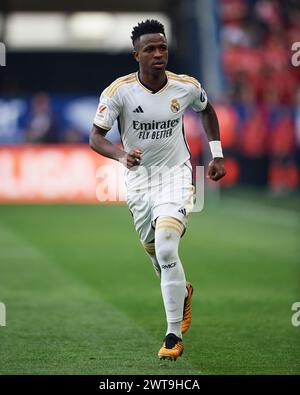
x,y
216,149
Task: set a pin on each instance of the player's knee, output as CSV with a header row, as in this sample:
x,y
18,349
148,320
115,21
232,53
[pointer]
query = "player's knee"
x,y
166,248
166,253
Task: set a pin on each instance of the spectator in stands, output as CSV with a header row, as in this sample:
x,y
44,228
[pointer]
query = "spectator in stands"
x,y
42,125
256,37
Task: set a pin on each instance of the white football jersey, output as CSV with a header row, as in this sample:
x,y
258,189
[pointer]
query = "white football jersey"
x,y
151,121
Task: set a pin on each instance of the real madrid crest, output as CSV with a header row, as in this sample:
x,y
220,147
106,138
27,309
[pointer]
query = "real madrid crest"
x,y
175,106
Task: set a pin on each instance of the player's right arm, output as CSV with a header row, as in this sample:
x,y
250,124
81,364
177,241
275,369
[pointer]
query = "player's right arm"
x,y
109,109
216,168
104,147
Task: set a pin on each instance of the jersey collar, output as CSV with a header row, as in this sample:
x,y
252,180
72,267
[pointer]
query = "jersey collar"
x,y
148,89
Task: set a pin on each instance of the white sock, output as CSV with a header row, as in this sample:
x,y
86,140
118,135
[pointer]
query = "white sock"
x,y
150,249
174,327
173,284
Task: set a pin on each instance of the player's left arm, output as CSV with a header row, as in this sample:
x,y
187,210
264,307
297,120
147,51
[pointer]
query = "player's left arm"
x,y
216,168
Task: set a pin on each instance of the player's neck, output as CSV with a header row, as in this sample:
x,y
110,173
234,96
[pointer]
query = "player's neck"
x,y
153,81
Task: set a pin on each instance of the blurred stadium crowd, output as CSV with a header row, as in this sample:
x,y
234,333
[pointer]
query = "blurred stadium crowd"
x,y
262,122
259,109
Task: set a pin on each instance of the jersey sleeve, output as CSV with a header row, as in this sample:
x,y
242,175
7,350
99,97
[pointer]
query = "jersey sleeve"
x,y
198,98
108,111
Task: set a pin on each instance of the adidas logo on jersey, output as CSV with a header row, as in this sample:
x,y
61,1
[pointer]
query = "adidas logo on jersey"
x,y
182,211
138,109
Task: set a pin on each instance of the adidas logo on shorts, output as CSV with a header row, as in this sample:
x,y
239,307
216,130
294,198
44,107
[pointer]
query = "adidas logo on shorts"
x,y
182,211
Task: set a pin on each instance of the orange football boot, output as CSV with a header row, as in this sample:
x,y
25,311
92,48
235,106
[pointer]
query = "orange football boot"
x,y
172,348
187,316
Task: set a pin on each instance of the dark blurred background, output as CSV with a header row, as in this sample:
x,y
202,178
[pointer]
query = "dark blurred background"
x,y
59,57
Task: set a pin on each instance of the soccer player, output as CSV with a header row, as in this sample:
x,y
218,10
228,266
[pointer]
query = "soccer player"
x,y
149,106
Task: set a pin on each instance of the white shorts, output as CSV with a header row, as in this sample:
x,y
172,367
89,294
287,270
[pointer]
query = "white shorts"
x,y
172,197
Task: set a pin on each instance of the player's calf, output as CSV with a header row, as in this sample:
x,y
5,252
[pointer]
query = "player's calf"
x,y
150,249
167,237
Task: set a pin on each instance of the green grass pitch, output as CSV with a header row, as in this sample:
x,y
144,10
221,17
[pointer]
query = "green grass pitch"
x,y
81,296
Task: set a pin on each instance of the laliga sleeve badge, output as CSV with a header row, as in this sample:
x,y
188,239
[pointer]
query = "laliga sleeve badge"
x,y
102,111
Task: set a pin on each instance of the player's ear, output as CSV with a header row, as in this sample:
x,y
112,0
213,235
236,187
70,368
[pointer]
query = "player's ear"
x,y
135,55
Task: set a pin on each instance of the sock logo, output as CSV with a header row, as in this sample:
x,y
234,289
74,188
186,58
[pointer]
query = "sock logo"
x,y
169,266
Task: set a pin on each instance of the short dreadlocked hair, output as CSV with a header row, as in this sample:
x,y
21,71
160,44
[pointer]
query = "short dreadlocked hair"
x,y
147,27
